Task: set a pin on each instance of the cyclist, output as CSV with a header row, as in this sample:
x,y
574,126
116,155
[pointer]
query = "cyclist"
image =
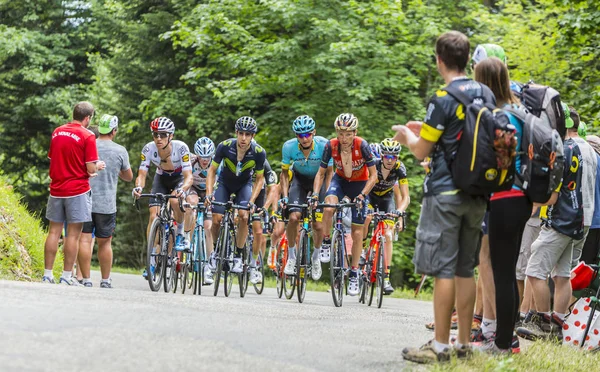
x,y
277,220
355,176
390,195
241,158
173,172
304,153
257,230
204,149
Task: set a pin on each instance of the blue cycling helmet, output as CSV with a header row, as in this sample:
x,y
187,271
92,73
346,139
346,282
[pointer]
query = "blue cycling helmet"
x,y
246,124
303,124
204,147
376,150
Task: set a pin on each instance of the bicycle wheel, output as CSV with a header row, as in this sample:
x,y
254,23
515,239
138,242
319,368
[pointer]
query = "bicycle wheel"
x,y
380,273
228,274
279,265
187,272
302,263
260,267
370,273
172,260
289,282
154,259
243,276
336,267
220,255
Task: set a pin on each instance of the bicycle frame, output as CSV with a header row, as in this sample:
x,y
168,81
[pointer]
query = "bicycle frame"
x,y
377,243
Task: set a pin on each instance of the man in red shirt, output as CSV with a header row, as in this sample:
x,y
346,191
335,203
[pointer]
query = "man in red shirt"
x,y
73,160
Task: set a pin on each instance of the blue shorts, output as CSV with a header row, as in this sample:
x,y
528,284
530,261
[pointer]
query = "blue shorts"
x,y
223,192
340,187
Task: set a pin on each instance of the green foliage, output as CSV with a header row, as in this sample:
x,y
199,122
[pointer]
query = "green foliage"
x,y
205,63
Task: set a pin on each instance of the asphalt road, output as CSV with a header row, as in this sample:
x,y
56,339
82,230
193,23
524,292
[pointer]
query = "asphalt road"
x,y
129,328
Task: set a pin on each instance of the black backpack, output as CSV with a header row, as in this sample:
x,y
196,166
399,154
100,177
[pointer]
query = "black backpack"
x,y
542,150
485,160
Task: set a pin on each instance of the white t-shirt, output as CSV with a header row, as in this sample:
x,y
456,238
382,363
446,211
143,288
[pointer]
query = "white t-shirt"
x,y
588,180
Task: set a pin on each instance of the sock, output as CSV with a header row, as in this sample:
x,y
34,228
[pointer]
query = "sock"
x,y
180,228
187,236
439,347
327,240
48,273
67,274
316,254
87,280
252,260
292,253
488,327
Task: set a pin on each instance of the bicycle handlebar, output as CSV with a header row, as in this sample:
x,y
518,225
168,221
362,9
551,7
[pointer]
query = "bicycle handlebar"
x,y
230,204
161,197
337,206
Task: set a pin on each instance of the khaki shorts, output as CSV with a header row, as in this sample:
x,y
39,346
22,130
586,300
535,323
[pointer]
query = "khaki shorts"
x,y
578,247
530,234
550,255
449,235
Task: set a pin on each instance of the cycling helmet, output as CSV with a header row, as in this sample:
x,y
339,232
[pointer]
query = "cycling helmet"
x,y
162,124
375,149
390,147
246,124
484,51
303,124
204,147
346,122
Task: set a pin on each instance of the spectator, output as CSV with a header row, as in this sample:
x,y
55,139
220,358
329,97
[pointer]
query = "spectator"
x,y
552,252
73,160
588,182
592,242
449,228
104,202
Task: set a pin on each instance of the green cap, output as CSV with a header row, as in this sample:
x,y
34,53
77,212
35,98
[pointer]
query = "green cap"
x,y
569,123
484,51
582,129
107,124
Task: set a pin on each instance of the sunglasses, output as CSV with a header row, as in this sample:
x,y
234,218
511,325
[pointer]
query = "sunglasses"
x,y
304,135
390,157
160,135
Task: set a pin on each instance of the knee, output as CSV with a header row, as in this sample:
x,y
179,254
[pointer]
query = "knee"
x,y
207,224
294,218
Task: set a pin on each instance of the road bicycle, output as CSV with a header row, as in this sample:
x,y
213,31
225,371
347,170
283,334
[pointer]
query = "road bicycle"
x,y
304,256
258,264
161,258
194,261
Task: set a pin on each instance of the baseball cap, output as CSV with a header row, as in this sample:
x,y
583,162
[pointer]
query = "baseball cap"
x,y
484,51
107,123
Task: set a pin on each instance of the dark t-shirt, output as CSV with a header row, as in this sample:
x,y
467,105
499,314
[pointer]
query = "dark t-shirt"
x,y
443,125
566,216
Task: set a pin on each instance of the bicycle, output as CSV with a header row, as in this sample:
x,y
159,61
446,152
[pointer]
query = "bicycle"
x,y
258,264
304,257
225,248
338,253
161,265
197,263
373,271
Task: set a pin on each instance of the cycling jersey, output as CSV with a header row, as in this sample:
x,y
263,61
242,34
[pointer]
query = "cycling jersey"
x,y
180,157
397,174
198,173
235,172
307,166
362,158
270,176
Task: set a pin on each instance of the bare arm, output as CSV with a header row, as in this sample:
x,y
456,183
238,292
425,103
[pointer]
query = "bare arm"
x,y
371,181
257,186
126,175
319,180
140,181
405,134
188,179
328,177
210,179
402,196
272,196
285,182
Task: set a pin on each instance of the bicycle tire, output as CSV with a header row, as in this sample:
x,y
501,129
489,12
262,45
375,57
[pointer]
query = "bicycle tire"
x,y
243,276
336,267
279,271
170,271
221,248
229,274
302,263
380,273
289,282
195,261
260,267
187,272
154,280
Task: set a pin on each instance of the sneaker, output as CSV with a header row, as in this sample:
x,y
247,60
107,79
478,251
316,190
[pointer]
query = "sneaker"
x,y
316,271
106,284
290,267
70,281
255,276
237,265
515,345
87,284
48,279
353,288
476,324
208,276
476,336
387,287
463,352
145,273
489,347
425,354
325,254
180,243
540,327
212,261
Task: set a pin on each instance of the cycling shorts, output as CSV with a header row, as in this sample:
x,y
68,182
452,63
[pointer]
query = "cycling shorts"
x,y
201,196
223,192
164,184
341,187
383,203
299,189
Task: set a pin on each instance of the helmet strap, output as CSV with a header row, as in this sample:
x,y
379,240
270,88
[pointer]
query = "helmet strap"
x,y
168,143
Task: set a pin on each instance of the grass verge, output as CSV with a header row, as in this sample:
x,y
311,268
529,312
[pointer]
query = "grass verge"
x,y
539,356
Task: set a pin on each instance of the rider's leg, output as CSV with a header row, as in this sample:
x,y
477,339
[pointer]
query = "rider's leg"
x,y
292,232
216,225
208,223
190,216
257,232
242,229
357,234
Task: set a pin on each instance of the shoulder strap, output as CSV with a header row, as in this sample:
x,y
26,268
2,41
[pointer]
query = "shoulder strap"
x,y
461,96
520,113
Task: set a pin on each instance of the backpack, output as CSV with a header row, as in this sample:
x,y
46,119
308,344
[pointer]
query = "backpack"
x,y
485,160
542,151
